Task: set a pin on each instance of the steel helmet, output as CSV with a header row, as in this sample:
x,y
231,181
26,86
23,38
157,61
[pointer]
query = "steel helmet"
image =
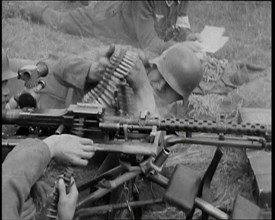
x,y
180,68
6,71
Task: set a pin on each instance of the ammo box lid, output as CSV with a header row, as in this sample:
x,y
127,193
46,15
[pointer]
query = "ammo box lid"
x,y
260,160
255,115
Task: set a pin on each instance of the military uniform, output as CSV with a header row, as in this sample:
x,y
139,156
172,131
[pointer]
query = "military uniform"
x,y
182,72
17,181
177,72
143,24
74,72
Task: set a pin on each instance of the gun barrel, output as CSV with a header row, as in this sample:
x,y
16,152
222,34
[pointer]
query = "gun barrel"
x,y
188,125
8,116
26,118
93,117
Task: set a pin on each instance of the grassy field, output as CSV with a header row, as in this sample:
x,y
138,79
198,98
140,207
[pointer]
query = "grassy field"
x,y
248,25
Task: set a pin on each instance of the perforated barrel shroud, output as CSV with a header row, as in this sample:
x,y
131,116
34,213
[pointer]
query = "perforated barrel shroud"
x,y
105,92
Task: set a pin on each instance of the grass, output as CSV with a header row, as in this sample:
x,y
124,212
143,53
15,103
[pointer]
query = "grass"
x,y
248,25
24,39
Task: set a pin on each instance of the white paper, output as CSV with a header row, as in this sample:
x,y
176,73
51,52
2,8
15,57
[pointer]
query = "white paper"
x,y
212,39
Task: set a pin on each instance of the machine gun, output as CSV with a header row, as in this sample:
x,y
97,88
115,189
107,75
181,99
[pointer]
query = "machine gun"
x,y
93,121
143,135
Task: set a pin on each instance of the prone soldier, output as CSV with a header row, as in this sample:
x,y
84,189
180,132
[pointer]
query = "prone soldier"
x,y
152,25
161,85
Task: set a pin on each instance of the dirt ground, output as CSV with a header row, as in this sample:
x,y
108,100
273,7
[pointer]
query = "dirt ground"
x,y
250,41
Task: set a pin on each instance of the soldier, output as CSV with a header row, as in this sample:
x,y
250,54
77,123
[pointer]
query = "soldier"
x,y
56,94
152,25
161,85
173,76
153,84
6,75
26,162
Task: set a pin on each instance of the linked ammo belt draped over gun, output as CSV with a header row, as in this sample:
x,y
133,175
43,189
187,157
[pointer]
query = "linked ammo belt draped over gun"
x,y
113,83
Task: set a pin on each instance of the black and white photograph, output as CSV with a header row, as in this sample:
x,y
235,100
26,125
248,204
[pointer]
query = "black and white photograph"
x,y
136,110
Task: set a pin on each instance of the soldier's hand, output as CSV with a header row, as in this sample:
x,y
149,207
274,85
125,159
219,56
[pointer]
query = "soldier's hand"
x,y
145,56
70,149
184,34
102,61
194,37
193,46
67,202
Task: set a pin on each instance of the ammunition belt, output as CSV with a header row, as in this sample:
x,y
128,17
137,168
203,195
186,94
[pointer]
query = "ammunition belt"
x,y
125,102
51,212
122,62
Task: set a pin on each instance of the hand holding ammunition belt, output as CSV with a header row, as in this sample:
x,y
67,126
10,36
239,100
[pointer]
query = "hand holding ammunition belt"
x,y
113,90
51,212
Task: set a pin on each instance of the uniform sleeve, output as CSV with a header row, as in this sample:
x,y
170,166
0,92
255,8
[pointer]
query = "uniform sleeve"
x,y
72,71
21,169
183,19
182,11
75,22
143,22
